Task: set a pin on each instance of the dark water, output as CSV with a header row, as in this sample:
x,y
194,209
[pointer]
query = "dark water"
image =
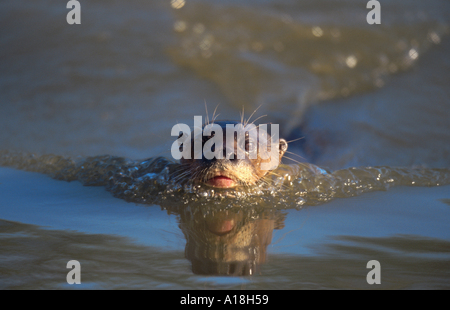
x,y
372,103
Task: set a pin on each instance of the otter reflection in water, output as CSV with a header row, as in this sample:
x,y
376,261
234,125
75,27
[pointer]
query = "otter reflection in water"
x,y
231,241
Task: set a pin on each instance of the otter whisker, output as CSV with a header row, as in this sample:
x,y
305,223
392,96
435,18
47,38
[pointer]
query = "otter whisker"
x,y
295,140
214,113
181,174
242,115
257,119
181,168
274,173
215,117
298,162
295,154
248,120
177,179
254,128
207,115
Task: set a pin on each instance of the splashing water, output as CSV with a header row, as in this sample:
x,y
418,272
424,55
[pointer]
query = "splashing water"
x,y
154,181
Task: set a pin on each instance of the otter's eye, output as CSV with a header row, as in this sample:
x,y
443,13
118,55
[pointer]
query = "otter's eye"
x,y
249,144
206,138
181,145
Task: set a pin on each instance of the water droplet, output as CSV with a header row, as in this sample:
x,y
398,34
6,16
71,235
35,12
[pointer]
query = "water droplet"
x,y
177,4
434,37
198,28
207,42
413,54
301,201
179,26
335,33
351,61
317,31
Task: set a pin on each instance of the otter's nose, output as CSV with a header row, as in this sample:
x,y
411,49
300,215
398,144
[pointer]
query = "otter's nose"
x,y
230,154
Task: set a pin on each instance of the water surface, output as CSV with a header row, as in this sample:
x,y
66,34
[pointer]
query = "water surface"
x,y
362,96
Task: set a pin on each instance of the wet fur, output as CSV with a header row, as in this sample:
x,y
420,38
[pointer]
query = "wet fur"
x,y
244,172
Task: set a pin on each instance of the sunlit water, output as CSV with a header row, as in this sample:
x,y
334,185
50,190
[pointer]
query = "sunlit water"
x,y
369,180
155,180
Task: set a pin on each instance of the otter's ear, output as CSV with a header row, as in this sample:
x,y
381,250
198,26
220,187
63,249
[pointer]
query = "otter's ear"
x,y
283,147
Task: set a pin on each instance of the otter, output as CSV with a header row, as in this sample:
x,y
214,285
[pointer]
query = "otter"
x,y
231,170
231,241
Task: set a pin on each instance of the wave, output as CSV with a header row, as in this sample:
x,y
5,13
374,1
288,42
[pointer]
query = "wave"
x,y
154,181
299,54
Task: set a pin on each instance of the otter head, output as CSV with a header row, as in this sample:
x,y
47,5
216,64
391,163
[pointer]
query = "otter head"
x,y
226,154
